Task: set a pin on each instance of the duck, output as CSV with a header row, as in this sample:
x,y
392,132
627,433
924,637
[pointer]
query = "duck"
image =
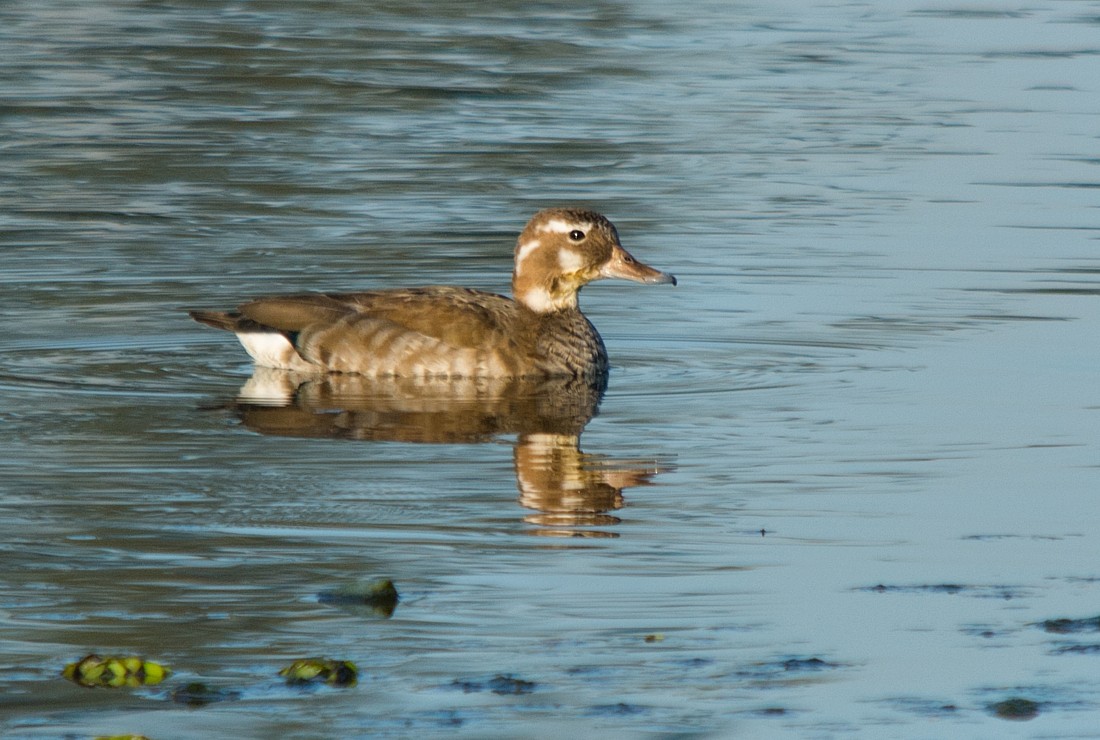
x,y
440,332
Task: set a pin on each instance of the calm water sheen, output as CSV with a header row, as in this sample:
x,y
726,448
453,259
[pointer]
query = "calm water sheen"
x,y
841,476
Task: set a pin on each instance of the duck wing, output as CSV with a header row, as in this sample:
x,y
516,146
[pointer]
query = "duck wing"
x,y
418,331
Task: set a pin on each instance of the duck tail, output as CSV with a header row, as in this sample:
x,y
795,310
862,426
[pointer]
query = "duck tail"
x,y
227,320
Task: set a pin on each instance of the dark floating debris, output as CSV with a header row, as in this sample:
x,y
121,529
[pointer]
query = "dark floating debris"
x,y
198,694
339,673
113,671
1068,626
1015,708
378,594
503,684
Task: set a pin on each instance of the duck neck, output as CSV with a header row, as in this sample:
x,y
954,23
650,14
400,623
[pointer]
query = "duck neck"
x,y
548,296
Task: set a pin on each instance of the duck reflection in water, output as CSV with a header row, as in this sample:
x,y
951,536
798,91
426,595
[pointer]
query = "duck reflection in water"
x,y
566,487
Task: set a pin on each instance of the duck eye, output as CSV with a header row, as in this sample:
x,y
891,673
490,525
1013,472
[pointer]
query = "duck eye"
x,y
576,235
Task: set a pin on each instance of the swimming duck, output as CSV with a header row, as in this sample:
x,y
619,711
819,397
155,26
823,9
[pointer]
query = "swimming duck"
x,y
448,332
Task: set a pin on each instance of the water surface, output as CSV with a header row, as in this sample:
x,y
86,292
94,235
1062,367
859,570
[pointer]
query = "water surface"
x,y
841,477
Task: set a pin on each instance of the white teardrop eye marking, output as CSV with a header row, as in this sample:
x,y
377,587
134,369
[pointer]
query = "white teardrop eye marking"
x,y
576,235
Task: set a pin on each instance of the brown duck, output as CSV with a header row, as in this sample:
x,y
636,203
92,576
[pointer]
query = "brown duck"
x,y
446,332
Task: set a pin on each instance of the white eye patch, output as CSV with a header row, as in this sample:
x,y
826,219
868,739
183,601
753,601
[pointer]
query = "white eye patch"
x,y
570,260
560,226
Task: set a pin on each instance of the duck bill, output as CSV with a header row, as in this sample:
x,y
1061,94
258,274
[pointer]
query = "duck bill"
x,y
623,266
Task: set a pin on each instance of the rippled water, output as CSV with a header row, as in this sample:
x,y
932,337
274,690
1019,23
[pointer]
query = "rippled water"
x,y
842,479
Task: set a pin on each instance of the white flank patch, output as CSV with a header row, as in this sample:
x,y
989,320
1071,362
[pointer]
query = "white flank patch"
x,y
269,349
525,251
570,260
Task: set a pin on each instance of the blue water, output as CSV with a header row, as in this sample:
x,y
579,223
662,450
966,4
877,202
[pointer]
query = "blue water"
x,y
850,461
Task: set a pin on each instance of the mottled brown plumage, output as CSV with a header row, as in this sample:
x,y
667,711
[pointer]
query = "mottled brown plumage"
x,y
453,332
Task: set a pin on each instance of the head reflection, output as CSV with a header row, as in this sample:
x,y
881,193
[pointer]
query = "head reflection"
x,y
565,487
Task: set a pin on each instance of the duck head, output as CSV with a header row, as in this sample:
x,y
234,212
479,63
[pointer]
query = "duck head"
x,y
561,250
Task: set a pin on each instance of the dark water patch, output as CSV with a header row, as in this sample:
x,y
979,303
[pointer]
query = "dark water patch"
x,y
970,13
951,589
1053,227
1084,579
928,708
940,588
620,709
786,670
1031,537
138,383
1015,708
1049,291
1042,54
1066,626
1008,317
1077,649
200,694
1078,185
445,718
807,664
986,632
898,326
502,684
770,712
